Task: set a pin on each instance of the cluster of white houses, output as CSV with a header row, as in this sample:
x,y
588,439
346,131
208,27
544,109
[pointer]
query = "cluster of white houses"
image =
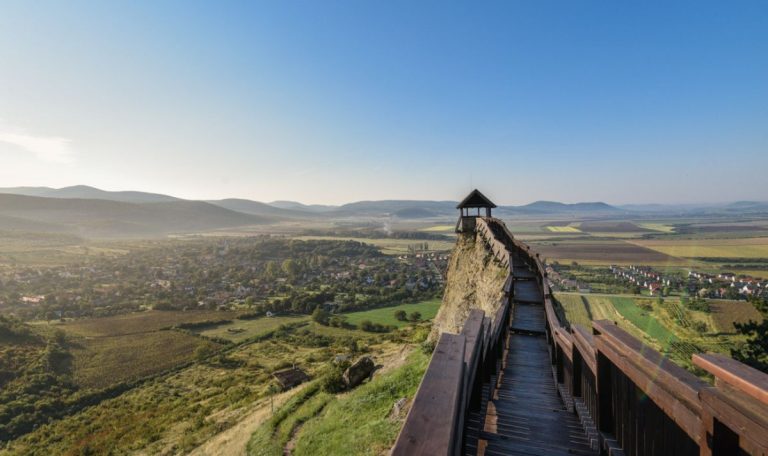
x,y
723,285
646,277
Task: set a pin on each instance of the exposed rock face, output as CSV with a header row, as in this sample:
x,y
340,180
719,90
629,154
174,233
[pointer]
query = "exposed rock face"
x,y
475,281
359,371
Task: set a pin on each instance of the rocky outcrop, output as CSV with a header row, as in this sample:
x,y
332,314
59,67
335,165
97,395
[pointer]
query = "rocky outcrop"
x,y
475,281
359,371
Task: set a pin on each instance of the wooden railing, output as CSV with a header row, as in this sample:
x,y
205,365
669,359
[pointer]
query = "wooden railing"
x,y
630,399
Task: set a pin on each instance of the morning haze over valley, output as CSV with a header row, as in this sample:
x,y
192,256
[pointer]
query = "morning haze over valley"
x,y
398,228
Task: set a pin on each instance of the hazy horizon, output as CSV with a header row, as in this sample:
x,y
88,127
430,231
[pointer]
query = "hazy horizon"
x,y
446,199
346,101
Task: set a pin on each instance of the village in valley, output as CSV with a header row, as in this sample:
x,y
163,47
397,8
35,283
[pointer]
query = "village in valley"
x,y
647,280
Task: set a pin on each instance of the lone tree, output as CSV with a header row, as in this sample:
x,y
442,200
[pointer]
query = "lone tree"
x,y
400,315
321,315
755,351
415,316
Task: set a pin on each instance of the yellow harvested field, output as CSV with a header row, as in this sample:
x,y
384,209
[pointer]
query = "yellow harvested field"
x,y
714,248
439,228
576,310
657,227
563,229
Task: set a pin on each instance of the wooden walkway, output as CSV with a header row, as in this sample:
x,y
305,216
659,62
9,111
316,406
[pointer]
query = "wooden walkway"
x,y
526,416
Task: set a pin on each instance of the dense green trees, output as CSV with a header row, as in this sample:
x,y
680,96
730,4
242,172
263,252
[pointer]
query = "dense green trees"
x,y
755,351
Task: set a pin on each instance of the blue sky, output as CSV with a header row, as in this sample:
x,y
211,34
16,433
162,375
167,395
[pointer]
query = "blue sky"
x,y
330,102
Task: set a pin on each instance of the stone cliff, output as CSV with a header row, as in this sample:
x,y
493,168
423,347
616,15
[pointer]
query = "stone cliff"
x,y
475,281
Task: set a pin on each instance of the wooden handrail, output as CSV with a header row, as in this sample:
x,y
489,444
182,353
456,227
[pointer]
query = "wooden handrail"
x,y
740,376
431,426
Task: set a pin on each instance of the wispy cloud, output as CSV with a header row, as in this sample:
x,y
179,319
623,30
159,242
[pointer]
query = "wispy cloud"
x,y
47,148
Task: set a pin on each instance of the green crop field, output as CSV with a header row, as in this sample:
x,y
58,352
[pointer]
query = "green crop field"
x,y
386,315
643,319
661,227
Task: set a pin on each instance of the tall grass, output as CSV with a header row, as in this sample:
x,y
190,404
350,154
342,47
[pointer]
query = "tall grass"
x,y
358,423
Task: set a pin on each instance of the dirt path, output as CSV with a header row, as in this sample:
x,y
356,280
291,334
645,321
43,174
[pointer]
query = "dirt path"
x,y
234,440
288,450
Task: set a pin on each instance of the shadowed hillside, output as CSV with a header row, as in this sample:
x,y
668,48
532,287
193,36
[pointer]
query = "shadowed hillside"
x,y
102,218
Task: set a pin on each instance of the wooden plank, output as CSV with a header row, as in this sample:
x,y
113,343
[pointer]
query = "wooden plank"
x,y
742,377
431,425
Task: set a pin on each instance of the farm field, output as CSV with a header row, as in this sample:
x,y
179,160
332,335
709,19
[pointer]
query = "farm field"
x,y
713,248
577,310
726,313
660,227
135,323
643,320
439,228
563,229
386,315
126,348
665,328
240,330
388,246
601,252
105,361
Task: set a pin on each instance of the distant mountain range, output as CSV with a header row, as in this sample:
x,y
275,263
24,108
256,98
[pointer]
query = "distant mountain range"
x,y
92,212
105,218
86,192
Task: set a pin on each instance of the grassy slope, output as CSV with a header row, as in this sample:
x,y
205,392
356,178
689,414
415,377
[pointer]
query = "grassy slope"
x,y
180,410
357,423
354,423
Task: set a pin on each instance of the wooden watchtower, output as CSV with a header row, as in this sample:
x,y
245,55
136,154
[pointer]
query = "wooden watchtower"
x,y
475,200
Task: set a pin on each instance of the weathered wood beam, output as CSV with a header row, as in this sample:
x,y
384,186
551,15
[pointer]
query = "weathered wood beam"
x,y
431,425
